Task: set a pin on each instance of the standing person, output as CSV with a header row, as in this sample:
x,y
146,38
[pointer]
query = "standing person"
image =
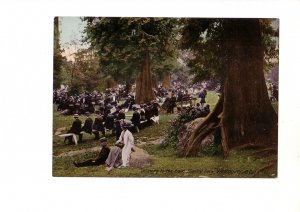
x,y
98,126
202,96
101,158
172,104
75,128
87,127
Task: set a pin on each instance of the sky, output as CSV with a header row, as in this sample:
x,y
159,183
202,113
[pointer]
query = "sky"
x,y
71,29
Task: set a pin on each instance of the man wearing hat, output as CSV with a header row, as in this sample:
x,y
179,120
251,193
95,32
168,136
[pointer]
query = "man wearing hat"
x,y
75,128
87,127
98,126
101,158
136,119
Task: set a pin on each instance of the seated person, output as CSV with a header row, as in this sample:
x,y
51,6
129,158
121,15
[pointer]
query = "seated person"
x,y
118,128
142,112
98,126
109,121
87,127
136,119
121,115
120,153
114,158
101,158
75,128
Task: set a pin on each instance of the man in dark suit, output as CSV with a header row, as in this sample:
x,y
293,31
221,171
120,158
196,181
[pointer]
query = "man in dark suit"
x,y
110,121
136,119
101,158
87,127
75,128
98,126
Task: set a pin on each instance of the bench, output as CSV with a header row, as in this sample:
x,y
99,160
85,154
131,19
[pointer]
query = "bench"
x,y
70,134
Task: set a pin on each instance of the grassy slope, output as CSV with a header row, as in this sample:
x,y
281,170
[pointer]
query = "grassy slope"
x,y
165,162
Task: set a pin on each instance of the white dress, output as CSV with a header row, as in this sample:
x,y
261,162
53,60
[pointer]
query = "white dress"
x,y
126,137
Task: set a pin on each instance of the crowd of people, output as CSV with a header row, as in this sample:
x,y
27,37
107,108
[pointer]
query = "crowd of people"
x,y
110,108
272,90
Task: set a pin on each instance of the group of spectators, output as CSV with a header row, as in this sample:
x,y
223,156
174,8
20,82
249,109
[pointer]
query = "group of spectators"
x,y
116,156
272,91
112,120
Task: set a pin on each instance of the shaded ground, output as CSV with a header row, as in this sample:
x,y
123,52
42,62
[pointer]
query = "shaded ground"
x,y
164,161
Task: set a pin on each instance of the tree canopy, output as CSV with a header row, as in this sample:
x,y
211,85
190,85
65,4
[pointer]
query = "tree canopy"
x,y
205,38
121,42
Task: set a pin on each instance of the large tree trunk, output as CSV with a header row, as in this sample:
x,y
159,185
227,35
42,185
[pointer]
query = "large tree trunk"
x,y
110,83
244,114
166,83
128,87
144,84
57,59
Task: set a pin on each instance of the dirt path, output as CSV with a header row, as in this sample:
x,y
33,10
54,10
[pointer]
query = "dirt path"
x,y
77,152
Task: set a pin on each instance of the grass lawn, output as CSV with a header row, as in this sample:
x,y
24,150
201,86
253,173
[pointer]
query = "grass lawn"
x,y
164,160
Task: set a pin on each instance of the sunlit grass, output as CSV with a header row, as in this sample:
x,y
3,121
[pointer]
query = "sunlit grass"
x,y
164,160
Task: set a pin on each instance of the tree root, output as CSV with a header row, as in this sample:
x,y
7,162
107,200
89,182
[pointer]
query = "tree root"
x,y
264,152
211,122
248,146
269,166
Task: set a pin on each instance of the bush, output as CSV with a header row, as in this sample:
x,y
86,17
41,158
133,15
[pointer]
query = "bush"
x,y
185,116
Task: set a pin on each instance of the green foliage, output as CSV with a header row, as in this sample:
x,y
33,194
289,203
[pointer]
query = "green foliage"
x,y
184,117
164,161
82,74
121,43
205,38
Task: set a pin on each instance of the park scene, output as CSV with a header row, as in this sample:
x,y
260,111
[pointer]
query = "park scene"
x,y
165,97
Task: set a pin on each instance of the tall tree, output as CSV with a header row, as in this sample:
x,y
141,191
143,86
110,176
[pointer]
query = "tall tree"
x,y
125,45
57,57
233,49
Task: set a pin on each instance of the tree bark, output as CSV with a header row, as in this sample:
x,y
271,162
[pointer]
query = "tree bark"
x,y
110,83
166,83
144,83
245,111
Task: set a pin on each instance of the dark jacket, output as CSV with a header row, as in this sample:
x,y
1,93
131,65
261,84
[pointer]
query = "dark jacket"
x,y
136,118
98,124
103,154
87,127
155,110
76,127
121,115
110,122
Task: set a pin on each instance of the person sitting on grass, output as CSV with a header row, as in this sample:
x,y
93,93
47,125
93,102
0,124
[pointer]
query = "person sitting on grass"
x,y
101,158
120,154
114,159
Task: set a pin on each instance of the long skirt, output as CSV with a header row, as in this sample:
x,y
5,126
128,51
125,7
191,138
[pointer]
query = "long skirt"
x,y
114,158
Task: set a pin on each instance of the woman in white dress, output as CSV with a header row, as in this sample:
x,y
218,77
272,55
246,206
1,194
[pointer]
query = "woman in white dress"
x,y
127,139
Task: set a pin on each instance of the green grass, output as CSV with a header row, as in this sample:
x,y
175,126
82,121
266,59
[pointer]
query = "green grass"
x,y
164,160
